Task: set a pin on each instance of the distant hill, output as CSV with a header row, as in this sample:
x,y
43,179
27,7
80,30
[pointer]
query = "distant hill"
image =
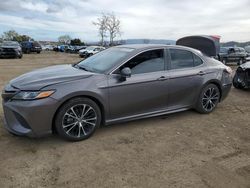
x,y
138,41
147,41
233,43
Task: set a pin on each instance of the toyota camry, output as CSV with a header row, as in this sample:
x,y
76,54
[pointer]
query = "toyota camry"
x,y
119,84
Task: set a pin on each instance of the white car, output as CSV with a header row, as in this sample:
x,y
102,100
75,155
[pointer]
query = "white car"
x,y
91,50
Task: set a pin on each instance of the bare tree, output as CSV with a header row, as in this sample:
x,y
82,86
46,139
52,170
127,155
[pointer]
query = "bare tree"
x,y
64,39
113,26
102,27
108,23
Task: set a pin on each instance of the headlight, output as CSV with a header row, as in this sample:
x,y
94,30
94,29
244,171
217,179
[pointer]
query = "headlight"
x,y
31,95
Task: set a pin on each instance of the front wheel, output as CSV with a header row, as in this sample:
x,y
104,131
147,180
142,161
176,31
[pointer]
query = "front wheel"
x,y
208,99
78,119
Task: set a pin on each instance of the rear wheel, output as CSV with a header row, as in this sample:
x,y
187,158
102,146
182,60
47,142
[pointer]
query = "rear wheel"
x,y
78,119
208,99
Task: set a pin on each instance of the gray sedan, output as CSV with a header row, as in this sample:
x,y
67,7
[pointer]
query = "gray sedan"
x,y
118,84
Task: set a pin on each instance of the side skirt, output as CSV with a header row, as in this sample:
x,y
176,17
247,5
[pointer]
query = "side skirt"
x,y
145,115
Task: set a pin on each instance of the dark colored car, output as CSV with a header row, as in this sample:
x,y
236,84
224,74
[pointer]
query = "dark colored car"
x,y
118,84
233,54
31,46
10,49
242,76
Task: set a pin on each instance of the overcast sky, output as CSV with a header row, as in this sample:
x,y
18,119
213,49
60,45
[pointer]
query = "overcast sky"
x,y
153,19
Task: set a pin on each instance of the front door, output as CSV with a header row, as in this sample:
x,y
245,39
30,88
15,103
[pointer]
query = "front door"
x,y
145,91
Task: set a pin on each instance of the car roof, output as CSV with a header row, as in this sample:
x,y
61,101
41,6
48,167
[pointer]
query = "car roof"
x,y
140,47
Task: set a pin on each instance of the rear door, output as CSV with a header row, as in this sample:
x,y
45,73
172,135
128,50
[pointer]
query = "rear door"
x,y
186,74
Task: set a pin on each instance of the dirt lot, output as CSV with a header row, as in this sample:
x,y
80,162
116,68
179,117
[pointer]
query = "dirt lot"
x,y
179,150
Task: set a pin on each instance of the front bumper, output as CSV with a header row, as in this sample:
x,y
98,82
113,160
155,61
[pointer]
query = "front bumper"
x,y
29,118
10,54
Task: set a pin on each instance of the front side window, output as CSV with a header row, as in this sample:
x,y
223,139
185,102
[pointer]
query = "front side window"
x,y
146,62
181,59
105,60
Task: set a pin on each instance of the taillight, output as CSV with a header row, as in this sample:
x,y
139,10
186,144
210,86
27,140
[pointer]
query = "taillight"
x,y
228,70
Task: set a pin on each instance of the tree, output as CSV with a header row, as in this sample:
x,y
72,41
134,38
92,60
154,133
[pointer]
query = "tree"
x,y
108,23
76,42
113,26
64,39
21,38
102,27
10,35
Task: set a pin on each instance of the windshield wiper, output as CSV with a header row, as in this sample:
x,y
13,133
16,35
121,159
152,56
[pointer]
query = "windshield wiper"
x,y
82,68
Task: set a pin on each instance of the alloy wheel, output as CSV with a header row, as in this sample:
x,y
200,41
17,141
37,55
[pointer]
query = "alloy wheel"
x,y
79,120
210,99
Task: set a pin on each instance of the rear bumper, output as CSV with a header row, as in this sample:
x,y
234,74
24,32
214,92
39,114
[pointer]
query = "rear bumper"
x,y
225,91
29,118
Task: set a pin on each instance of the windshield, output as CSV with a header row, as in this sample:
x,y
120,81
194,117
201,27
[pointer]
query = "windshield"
x,y
223,50
90,48
9,43
105,60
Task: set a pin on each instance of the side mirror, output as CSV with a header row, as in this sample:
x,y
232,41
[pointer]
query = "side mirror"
x,y
125,73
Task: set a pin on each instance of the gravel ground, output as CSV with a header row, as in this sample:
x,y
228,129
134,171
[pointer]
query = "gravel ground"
x,y
185,149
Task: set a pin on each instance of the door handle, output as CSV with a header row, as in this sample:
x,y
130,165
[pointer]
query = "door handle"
x,y
161,78
201,73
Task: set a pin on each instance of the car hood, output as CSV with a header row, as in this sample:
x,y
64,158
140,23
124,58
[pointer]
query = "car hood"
x,y
14,47
40,78
245,65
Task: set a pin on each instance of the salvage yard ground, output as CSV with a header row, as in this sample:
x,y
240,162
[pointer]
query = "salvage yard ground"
x,y
186,149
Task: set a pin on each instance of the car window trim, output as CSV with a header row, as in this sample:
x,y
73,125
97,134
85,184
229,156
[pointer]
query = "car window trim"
x,y
193,53
146,50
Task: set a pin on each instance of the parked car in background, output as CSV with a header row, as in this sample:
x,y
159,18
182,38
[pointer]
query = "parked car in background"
x,y
31,46
10,49
247,48
232,54
242,76
119,84
76,49
90,50
48,47
63,48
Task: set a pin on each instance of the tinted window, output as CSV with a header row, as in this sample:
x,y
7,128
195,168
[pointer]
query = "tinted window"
x,y
150,61
181,59
197,60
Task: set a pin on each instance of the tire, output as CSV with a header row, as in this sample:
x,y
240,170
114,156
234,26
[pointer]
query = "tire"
x,y
38,52
71,120
208,99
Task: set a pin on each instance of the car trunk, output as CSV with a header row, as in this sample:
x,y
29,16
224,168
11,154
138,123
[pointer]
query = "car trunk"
x,y
209,45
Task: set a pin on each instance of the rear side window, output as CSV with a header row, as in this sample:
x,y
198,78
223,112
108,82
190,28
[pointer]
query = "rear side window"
x,y
197,60
181,59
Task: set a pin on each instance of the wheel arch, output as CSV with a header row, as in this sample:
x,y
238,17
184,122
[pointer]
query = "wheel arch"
x,y
95,99
215,82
